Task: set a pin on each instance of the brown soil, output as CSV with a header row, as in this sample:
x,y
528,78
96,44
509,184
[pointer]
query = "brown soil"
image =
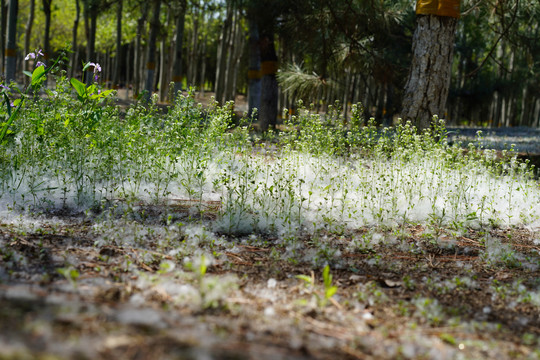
x,y
412,297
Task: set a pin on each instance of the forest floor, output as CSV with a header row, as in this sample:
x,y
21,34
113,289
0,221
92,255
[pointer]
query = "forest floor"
x,y
63,296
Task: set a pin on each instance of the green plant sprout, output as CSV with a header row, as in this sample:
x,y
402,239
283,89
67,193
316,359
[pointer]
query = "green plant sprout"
x,y
329,289
71,274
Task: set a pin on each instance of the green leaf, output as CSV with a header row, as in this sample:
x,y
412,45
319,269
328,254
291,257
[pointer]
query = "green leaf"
x,y
79,87
38,73
327,277
306,278
331,291
27,73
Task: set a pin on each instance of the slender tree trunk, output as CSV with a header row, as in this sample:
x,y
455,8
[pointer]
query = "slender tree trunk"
x,y
222,55
177,66
269,86
28,34
230,58
90,25
240,39
74,44
151,63
138,51
129,72
11,46
203,65
193,49
3,34
164,63
254,71
117,62
427,87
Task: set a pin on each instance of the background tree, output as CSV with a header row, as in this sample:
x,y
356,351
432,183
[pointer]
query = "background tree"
x,y
11,44
151,62
47,34
180,13
254,70
428,83
28,33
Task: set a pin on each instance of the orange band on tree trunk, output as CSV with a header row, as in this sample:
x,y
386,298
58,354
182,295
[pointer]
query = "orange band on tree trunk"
x,y
151,65
254,74
448,8
177,79
11,52
269,67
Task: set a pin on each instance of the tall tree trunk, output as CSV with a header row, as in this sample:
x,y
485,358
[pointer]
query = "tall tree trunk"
x,y
3,34
230,55
138,51
193,49
177,66
117,62
203,65
28,34
254,69
221,69
11,46
269,86
239,44
428,83
47,35
164,63
74,44
151,63
90,27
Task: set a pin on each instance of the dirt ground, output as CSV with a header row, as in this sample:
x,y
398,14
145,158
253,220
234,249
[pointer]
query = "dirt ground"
x,y
65,293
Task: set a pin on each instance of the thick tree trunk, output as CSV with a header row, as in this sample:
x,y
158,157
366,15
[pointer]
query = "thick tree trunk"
x,y
269,86
47,35
11,45
151,63
427,87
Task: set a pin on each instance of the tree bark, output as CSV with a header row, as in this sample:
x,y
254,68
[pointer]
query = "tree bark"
x,y
11,45
164,53
138,51
254,71
193,48
177,67
221,66
3,34
47,35
269,86
28,34
428,83
90,26
75,55
117,63
151,63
